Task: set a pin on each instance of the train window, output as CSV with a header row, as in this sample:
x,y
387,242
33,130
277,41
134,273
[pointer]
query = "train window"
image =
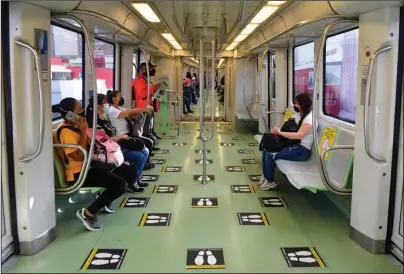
x,y
303,69
340,74
104,60
67,56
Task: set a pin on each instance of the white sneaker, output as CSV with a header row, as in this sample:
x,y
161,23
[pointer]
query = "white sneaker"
x,y
267,185
262,181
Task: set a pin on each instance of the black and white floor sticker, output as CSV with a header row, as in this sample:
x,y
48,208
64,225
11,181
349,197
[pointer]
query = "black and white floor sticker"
x,y
253,144
226,144
222,133
204,202
169,137
252,218
255,178
302,257
238,139
242,189
106,259
171,169
199,151
209,178
249,161
150,178
162,151
200,161
243,151
235,169
155,219
206,129
205,258
135,202
272,202
158,161
179,144
165,189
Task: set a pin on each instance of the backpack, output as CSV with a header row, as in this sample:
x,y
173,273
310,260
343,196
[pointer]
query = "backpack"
x,y
275,143
107,153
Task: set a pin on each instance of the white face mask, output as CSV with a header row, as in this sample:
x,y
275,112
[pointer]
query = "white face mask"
x,y
106,107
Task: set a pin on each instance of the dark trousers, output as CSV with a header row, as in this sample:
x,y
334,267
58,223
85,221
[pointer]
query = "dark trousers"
x,y
187,100
114,183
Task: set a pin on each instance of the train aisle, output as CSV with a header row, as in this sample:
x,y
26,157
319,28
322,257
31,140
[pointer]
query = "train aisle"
x,y
179,225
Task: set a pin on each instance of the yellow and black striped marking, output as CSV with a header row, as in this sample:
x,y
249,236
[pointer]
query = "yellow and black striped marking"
x,y
242,189
171,169
302,257
136,202
105,259
165,188
155,219
252,218
205,258
272,202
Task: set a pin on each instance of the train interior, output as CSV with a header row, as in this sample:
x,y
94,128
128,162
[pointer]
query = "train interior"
x,y
341,210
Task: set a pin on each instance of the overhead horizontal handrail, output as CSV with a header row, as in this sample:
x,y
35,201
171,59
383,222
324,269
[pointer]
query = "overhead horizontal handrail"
x,y
366,125
41,129
80,181
90,52
328,182
323,173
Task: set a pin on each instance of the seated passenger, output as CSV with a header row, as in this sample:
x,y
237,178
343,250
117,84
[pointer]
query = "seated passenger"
x,y
138,158
117,114
115,183
299,152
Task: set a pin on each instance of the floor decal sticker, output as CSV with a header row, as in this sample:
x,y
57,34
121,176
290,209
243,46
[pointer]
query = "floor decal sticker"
x,y
135,202
249,161
155,219
272,202
204,203
238,139
253,144
210,178
179,144
226,144
255,178
252,218
165,189
243,151
169,137
162,151
158,161
105,259
302,257
208,161
205,258
222,133
235,169
150,178
199,151
242,189
171,169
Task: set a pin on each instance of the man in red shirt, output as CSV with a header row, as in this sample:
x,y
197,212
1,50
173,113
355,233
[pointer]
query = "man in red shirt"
x,y
140,95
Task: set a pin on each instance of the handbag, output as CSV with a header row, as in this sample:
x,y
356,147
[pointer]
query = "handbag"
x,y
133,143
135,125
275,143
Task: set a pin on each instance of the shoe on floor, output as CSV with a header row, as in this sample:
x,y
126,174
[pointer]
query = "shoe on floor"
x,y
262,181
149,166
134,188
107,208
142,184
91,223
267,185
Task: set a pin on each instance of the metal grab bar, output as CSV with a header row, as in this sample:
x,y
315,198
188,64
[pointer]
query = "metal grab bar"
x,y
79,183
260,93
328,184
178,105
320,54
244,84
201,103
148,85
41,102
87,163
367,105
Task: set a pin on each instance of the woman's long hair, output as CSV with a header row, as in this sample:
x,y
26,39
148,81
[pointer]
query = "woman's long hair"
x,y
112,94
305,103
189,75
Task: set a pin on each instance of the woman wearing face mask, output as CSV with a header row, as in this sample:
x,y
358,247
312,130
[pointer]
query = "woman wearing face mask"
x,y
299,152
74,131
117,115
137,158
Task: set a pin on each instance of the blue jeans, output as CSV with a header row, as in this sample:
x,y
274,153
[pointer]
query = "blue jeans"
x,y
137,158
293,153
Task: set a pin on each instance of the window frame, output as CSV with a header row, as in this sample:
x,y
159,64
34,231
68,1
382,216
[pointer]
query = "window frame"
x,y
114,60
83,58
353,123
293,64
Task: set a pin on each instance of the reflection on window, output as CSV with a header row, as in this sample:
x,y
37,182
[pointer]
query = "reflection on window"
x,y
303,69
272,76
135,65
104,59
66,65
340,85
